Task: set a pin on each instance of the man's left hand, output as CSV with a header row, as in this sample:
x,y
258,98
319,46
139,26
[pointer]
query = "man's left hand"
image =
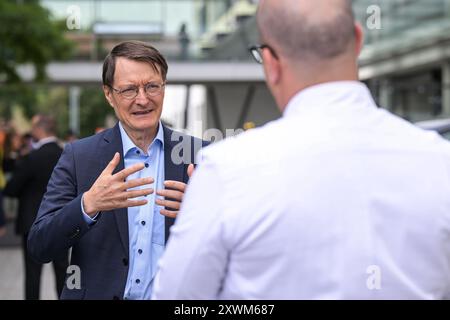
x,y
175,192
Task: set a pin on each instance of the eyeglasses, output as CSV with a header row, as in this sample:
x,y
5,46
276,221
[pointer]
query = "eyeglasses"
x,y
256,52
151,89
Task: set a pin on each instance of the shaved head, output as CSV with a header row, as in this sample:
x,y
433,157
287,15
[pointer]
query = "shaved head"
x,y
307,30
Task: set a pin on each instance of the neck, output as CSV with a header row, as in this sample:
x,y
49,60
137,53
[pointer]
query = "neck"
x,y
142,139
306,76
42,137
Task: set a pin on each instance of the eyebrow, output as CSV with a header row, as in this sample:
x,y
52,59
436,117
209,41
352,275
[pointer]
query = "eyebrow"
x,y
136,85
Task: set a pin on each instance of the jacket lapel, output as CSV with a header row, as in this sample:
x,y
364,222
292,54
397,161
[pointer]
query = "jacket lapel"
x,y
113,144
172,171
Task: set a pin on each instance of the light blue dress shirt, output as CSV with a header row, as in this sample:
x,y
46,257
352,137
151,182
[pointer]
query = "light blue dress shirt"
x,y
146,225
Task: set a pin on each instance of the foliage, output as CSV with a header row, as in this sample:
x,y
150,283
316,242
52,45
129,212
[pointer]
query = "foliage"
x,y
28,35
54,100
93,110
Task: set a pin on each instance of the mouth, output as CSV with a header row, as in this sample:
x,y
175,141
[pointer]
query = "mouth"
x,y
141,113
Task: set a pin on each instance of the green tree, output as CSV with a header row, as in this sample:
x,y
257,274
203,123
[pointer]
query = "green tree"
x,y
28,35
93,110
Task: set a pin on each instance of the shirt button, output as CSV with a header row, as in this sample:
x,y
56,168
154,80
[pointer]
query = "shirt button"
x,y
138,152
143,223
140,251
138,281
146,165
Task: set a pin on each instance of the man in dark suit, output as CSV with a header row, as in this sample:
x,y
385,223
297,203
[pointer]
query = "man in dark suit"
x,y
101,198
28,183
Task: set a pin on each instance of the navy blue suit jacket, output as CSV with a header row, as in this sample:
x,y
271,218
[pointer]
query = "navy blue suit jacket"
x,y
100,251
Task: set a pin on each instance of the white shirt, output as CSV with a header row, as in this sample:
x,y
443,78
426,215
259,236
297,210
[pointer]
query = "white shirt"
x,y
336,200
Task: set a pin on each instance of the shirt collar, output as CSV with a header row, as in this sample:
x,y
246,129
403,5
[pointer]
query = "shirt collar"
x,y
43,141
128,144
331,94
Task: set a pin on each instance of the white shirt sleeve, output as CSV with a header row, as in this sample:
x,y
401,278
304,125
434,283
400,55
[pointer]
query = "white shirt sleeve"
x,y
90,221
194,263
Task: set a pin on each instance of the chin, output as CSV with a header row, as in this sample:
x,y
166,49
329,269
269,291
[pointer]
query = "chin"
x,y
146,124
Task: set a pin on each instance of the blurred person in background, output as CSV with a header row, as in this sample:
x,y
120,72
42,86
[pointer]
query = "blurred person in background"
x,y
11,147
2,183
113,196
99,129
338,199
28,183
71,136
28,143
184,40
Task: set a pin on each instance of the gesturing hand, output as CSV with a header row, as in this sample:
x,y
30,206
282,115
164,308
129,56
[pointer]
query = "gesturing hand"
x,y
175,193
110,191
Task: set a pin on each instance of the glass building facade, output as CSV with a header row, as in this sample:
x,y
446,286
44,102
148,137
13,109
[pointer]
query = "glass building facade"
x,y
170,24
406,55
405,60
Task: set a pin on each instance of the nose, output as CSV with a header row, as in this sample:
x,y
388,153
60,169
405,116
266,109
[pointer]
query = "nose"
x,y
141,97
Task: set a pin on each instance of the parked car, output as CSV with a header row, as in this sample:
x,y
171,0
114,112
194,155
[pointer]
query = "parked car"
x,y
442,126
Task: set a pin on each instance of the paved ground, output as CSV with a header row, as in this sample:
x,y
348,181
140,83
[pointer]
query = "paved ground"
x,y
12,273
12,276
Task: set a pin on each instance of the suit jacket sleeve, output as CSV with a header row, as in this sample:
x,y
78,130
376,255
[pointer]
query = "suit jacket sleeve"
x,y
59,223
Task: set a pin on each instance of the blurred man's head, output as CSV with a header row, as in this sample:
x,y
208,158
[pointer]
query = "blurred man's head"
x,y
42,126
309,42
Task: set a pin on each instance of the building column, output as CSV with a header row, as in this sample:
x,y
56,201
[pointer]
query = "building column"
x,y
385,96
446,89
447,7
74,109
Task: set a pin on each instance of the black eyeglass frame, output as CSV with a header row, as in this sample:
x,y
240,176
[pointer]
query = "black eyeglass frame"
x,y
255,51
121,91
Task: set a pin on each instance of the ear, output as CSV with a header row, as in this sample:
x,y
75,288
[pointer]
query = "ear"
x,y
359,38
272,68
108,95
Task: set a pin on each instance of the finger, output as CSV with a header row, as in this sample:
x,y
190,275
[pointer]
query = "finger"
x,y
137,193
123,203
137,183
177,185
190,170
134,203
112,165
169,214
122,175
172,194
168,204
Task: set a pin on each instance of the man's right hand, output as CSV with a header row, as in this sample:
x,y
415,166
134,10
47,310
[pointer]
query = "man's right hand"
x,y
110,191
